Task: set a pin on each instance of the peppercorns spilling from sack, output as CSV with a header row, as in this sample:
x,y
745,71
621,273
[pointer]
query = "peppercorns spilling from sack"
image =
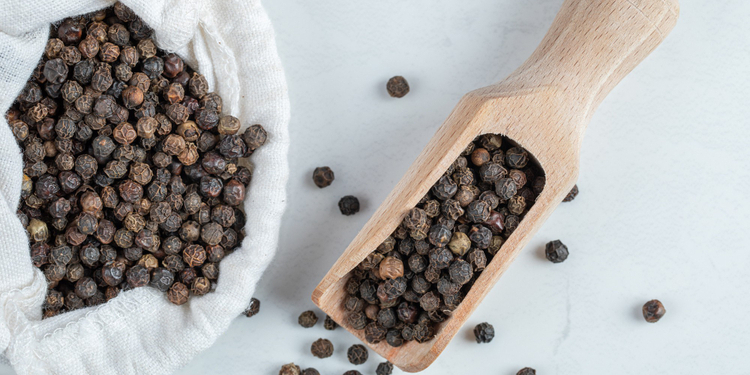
x,y
131,171
421,273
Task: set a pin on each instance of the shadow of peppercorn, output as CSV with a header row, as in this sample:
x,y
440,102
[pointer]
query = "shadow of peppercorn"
x,y
540,252
469,333
638,310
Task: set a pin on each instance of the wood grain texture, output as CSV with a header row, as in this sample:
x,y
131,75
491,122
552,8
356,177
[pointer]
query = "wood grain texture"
x,y
545,106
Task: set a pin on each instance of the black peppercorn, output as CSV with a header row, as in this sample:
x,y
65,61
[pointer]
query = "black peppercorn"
x,y
444,189
397,87
323,176
307,319
322,348
329,324
290,369
137,276
526,371
441,258
556,251
178,293
55,71
232,146
429,301
113,273
54,300
40,254
393,338
484,333
357,320
357,354
224,215
200,286
461,272
653,311
89,255
72,301
384,368
571,195
375,333
254,137
252,308
85,288
61,255
194,255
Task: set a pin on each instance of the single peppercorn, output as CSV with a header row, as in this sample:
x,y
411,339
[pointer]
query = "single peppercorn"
x,y
357,320
349,205
310,371
556,251
137,276
329,324
178,293
322,348
290,369
252,308
571,195
200,286
397,87
394,338
653,311
254,137
484,333
526,371
384,368
194,255
307,319
323,176
357,354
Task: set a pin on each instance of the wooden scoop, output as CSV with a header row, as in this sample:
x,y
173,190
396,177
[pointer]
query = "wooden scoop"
x,y
545,107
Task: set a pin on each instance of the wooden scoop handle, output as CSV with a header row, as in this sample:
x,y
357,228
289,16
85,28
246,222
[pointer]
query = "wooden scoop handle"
x,y
591,46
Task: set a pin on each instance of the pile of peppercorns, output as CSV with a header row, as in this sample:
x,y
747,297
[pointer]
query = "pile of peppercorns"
x,y
131,174
420,274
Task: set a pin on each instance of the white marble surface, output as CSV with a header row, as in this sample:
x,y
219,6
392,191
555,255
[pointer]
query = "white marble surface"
x,y
664,208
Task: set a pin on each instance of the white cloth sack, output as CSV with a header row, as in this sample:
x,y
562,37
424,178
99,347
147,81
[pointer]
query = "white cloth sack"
x,y
139,332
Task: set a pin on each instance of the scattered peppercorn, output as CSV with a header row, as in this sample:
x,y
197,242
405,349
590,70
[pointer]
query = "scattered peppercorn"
x,y
329,323
253,308
556,251
653,311
322,348
484,333
310,371
290,369
352,372
572,194
397,87
126,155
307,319
384,368
322,176
526,371
357,354
349,205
